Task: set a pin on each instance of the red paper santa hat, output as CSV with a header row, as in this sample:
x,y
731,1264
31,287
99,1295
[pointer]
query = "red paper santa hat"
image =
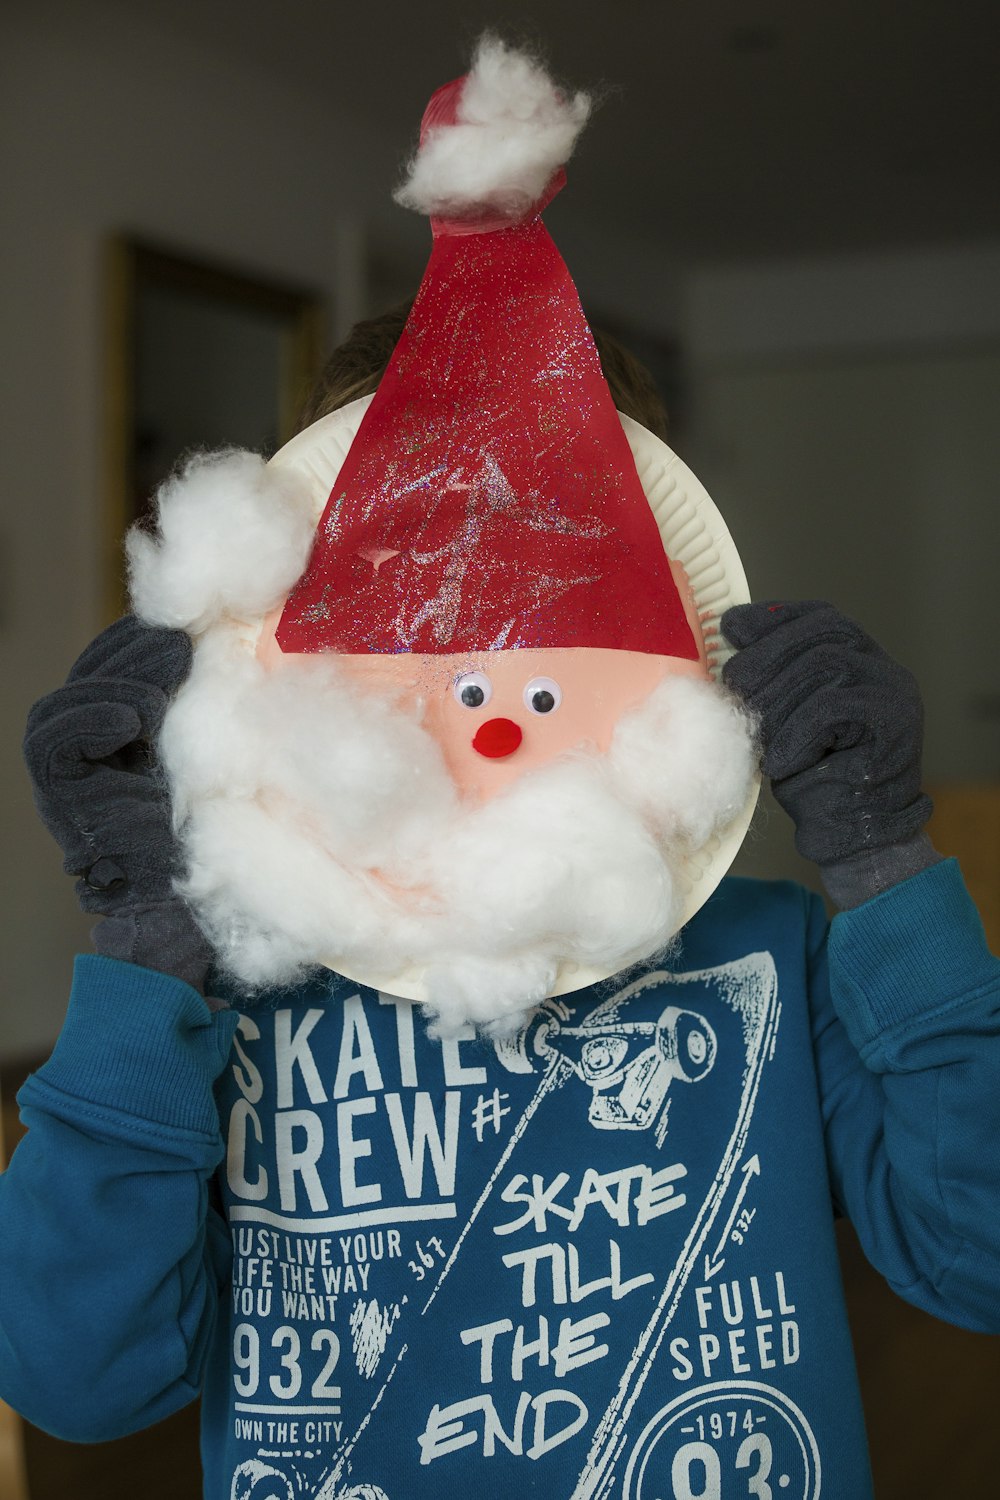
x,y
490,500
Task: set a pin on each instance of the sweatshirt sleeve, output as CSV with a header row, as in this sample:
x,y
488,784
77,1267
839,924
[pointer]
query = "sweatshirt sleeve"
x,y
906,1015
111,1260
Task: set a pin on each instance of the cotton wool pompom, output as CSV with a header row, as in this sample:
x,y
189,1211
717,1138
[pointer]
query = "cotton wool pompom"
x,y
319,825
563,820
273,904
498,1000
204,747
514,129
304,738
375,782
686,756
233,537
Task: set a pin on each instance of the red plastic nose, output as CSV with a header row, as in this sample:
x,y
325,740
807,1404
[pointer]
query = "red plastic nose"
x,y
497,737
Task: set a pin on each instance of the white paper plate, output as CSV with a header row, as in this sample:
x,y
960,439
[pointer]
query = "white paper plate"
x,y
694,534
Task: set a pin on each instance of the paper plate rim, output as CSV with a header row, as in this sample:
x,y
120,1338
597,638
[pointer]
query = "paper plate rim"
x,y
693,533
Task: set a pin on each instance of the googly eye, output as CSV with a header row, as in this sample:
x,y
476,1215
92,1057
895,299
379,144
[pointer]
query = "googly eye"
x,y
542,695
473,689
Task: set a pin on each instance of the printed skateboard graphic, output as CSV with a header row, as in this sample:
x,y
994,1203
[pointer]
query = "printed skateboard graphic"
x,y
461,1258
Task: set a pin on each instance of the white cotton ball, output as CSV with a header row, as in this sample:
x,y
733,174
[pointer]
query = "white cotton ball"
x,y
289,787
373,779
206,745
364,778
233,537
589,877
320,825
686,758
273,903
498,997
235,858
514,130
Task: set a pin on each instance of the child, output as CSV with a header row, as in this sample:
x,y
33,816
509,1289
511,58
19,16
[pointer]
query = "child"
x,y
588,1250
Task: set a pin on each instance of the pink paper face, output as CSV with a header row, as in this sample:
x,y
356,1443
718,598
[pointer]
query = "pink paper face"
x,y
497,714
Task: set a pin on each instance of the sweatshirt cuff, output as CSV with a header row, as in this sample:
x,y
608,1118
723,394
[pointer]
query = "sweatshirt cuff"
x,y
914,951
862,877
139,1043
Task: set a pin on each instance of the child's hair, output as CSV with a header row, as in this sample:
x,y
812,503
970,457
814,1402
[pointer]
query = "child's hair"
x,y
355,368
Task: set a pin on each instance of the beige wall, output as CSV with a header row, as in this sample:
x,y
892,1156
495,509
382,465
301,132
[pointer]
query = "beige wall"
x,y
844,418
107,125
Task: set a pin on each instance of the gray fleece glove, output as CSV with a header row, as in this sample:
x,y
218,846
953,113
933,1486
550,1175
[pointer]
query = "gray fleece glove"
x,y
841,725
100,793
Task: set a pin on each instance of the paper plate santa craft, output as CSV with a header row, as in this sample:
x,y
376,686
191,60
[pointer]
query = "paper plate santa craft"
x,y
452,727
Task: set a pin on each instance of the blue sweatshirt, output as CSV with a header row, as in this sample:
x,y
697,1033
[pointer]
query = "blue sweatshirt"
x,y
594,1261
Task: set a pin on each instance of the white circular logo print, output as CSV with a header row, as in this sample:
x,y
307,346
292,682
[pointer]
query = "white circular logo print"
x,y
731,1440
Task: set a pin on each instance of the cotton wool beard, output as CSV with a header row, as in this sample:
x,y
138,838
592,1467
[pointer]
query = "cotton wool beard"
x,y
319,826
